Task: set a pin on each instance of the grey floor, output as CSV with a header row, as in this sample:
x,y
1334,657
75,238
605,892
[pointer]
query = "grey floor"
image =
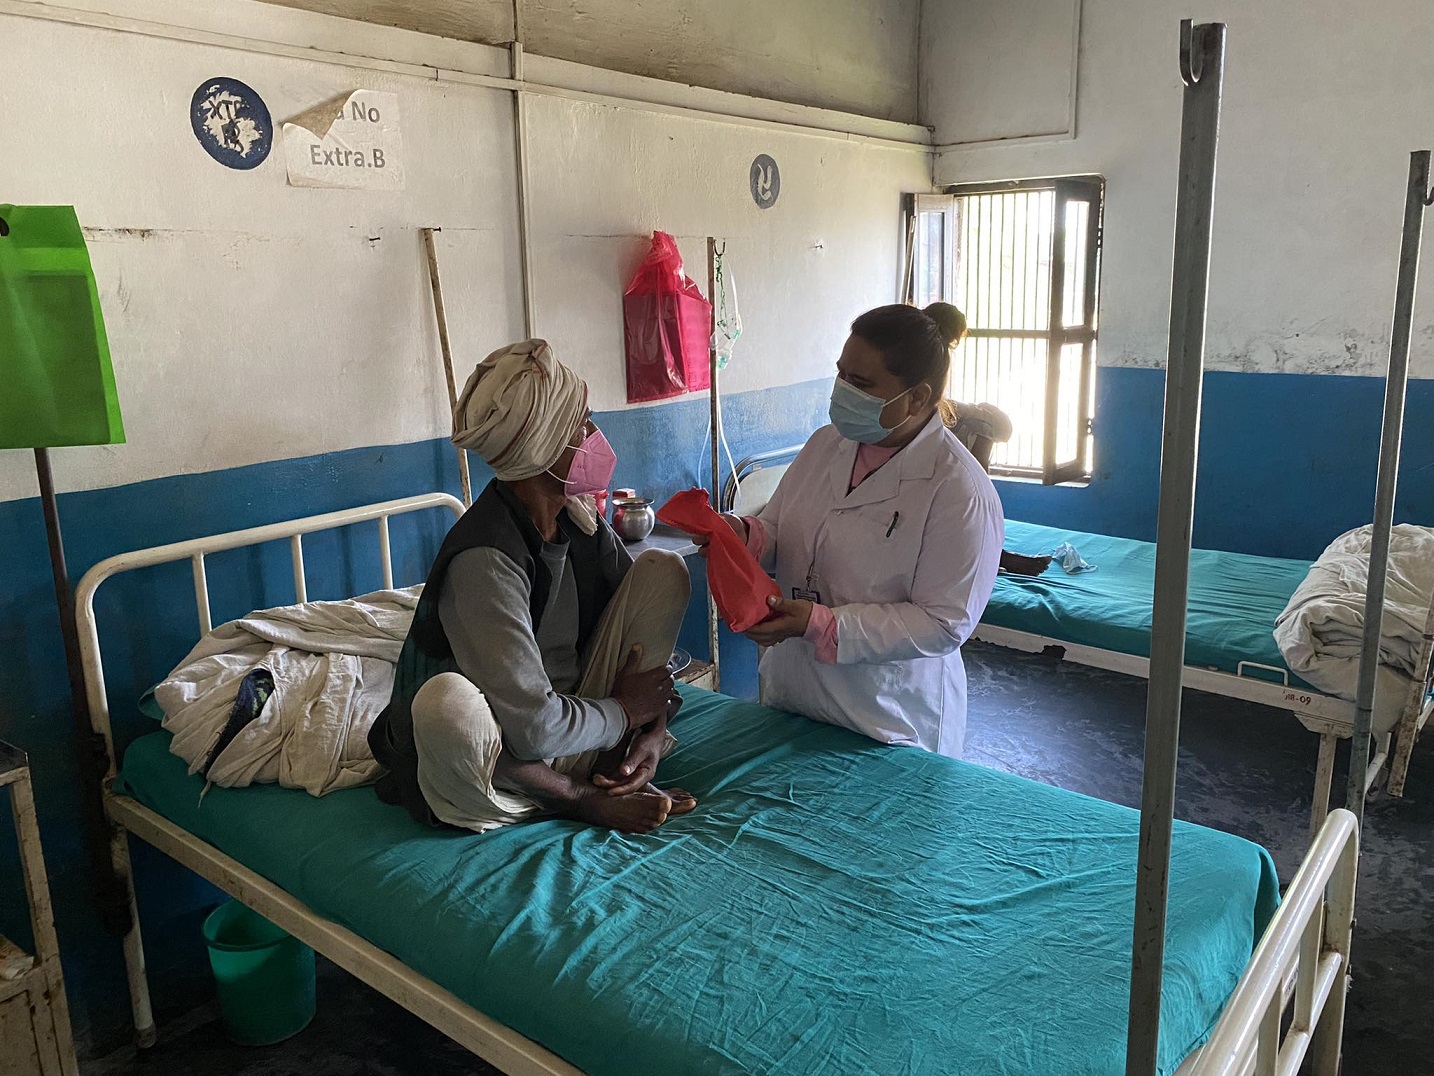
x,y
1242,768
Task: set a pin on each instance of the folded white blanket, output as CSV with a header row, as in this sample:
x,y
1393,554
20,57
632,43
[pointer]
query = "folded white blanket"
x,y
1321,629
332,664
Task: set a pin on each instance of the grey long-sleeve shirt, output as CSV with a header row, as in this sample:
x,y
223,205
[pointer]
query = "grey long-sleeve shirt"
x,y
526,678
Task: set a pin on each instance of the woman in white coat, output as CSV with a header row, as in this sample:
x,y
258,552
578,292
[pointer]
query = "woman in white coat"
x,y
885,534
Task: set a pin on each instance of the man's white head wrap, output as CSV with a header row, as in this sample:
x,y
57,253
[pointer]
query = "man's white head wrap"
x,y
519,410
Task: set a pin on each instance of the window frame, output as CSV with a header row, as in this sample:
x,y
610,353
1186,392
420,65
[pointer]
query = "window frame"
x,y
1089,189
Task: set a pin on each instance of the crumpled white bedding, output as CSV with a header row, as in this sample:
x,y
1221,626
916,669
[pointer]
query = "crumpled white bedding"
x,y
332,664
1321,628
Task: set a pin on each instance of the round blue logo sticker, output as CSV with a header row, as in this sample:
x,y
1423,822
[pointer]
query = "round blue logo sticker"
x,y
766,181
232,123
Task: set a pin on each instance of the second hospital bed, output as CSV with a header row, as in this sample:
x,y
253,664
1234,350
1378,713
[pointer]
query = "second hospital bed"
x,y
1102,619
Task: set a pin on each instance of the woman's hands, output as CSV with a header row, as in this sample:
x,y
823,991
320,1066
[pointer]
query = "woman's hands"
x,y
789,622
739,528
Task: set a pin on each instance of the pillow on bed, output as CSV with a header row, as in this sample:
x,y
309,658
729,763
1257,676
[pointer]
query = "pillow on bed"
x,y
150,707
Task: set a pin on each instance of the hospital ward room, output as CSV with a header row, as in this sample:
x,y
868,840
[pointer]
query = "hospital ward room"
x,y
632,538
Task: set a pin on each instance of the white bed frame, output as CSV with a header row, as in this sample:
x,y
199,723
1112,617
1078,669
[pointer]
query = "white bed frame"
x,y
1307,944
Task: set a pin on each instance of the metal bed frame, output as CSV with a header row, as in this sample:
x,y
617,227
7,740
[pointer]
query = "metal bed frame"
x,y
1303,959
1327,716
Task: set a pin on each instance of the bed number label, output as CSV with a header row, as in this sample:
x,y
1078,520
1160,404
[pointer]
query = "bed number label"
x,y
1298,698
350,141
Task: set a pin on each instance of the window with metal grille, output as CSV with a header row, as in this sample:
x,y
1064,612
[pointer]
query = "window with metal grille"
x,y
1022,261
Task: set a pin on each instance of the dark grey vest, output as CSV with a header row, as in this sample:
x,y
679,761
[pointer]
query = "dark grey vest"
x,y
499,521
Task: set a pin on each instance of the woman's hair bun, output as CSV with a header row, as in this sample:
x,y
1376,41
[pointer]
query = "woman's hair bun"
x,y
949,320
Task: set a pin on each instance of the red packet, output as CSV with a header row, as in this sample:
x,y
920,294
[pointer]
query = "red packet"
x,y
739,585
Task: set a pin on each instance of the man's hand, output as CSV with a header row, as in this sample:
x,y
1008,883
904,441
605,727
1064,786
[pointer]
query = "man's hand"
x,y
645,696
639,765
739,528
789,622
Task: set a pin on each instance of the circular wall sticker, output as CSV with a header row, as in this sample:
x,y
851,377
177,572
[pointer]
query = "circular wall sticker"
x,y
766,181
232,123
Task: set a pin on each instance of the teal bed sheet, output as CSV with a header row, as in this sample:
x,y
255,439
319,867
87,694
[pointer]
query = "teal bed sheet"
x,y
832,906
1234,598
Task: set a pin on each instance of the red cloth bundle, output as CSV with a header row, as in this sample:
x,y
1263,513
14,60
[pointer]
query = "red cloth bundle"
x,y
739,585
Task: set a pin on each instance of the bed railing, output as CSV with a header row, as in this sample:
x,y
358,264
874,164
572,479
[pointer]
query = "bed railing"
x,y
196,549
750,465
1307,942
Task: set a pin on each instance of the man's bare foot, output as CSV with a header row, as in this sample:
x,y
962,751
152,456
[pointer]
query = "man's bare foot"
x,y
638,812
1021,564
682,800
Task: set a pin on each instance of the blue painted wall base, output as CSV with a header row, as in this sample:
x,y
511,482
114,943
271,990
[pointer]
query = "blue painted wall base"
x,y
1286,461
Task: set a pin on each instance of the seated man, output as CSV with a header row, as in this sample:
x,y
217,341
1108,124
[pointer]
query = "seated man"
x,y
534,678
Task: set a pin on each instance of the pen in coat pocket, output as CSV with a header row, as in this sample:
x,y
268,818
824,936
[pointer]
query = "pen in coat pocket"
x,y
894,517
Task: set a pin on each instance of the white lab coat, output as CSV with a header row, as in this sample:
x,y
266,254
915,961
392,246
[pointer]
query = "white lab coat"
x,y
906,561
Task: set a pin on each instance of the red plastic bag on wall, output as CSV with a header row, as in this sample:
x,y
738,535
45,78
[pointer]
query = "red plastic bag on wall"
x,y
667,326
739,585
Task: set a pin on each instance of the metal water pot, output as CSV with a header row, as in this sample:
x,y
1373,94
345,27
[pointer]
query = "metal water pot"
x,y
632,518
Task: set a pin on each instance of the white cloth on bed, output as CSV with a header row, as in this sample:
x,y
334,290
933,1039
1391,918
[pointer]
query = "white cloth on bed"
x,y
1321,630
332,664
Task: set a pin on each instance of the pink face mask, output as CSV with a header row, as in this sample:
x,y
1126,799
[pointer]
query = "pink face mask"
x,y
593,464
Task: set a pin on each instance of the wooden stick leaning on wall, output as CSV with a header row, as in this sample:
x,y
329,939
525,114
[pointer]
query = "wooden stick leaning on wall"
x,y
436,284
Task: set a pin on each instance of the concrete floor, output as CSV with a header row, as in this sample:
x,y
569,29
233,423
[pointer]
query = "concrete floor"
x,y
1243,768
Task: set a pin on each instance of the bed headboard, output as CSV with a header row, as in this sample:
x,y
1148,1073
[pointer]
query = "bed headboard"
x,y
194,550
751,486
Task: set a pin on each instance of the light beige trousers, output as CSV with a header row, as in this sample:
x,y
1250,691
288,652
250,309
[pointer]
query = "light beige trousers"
x,y
459,740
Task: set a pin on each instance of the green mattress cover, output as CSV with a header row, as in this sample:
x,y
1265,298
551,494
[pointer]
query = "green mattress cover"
x,y
832,906
1234,598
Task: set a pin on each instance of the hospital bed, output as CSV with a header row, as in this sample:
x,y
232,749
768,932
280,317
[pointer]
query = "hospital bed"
x,y
833,905
1102,619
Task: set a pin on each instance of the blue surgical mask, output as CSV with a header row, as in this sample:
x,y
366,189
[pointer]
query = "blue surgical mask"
x,y
857,415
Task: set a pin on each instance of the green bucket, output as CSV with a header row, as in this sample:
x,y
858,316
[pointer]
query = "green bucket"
x,y
265,976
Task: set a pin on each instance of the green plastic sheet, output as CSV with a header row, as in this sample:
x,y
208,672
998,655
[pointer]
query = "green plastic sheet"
x,y
57,385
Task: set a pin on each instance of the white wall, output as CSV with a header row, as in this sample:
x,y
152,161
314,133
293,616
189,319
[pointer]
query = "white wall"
x,y
251,321
852,55
1323,102
998,70
604,178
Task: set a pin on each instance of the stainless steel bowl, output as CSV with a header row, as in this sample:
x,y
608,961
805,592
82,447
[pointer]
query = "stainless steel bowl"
x,y
633,519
